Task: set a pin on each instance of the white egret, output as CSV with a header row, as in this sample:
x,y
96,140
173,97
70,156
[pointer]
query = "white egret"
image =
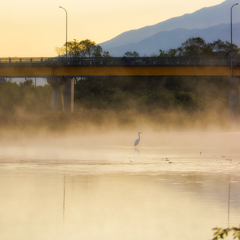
x,y
137,140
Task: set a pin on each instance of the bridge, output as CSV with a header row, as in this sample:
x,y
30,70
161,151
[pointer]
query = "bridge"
x,y
60,72
123,66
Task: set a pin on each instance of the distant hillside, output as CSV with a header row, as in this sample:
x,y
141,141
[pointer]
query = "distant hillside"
x,y
203,18
166,40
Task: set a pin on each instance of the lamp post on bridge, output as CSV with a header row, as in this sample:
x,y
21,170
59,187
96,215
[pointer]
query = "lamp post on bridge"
x,y
66,27
72,80
233,103
231,30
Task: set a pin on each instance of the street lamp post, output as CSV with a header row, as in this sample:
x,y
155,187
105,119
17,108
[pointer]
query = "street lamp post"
x,y
231,30
66,27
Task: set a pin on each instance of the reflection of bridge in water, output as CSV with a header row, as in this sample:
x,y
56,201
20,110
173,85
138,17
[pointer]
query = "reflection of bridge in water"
x,y
60,71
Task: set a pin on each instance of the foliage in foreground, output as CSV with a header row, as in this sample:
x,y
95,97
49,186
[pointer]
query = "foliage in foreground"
x,y
221,233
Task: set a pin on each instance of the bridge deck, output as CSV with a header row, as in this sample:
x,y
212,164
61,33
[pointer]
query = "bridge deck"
x,y
144,66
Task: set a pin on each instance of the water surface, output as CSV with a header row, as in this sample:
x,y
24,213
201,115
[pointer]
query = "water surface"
x,y
173,186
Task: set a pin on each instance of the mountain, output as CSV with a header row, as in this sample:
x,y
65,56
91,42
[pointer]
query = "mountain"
x,y
166,40
201,19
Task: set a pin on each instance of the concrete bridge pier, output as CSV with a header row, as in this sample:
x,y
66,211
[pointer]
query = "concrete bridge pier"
x,y
62,94
234,99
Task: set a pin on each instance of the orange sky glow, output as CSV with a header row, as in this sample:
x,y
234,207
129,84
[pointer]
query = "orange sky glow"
x,y
33,28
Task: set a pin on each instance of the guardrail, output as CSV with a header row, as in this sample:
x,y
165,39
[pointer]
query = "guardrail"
x,y
76,61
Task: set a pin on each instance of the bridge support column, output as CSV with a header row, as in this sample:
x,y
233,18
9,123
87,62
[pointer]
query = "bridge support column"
x,y
234,99
72,95
62,94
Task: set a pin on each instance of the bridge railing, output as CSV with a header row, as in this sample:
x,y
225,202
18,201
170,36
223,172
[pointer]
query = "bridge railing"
x,y
123,61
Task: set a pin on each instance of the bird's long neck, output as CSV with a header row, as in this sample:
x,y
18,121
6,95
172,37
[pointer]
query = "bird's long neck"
x,y
139,136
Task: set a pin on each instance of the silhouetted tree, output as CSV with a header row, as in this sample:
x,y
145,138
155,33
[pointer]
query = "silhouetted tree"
x,y
97,51
223,49
197,47
84,48
172,52
193,46
60,50
88,47
179,51
131,54
162,53
135,54
106,54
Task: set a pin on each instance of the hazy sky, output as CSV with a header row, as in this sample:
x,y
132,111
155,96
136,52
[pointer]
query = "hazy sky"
x,y
33,28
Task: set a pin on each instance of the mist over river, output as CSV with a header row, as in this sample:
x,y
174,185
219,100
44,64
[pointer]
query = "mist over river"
x,y
173,185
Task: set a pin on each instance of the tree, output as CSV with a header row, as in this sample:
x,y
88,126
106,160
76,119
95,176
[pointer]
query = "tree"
x,y
135,54
97,51
207,50
81,49
74,48
197,47
193,47
179,52
128,54
162,53
219,48
60,50
131,54
172,52
223,49
106,54
88,47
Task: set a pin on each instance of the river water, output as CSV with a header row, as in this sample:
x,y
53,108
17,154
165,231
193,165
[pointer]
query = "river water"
x,y
98,186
